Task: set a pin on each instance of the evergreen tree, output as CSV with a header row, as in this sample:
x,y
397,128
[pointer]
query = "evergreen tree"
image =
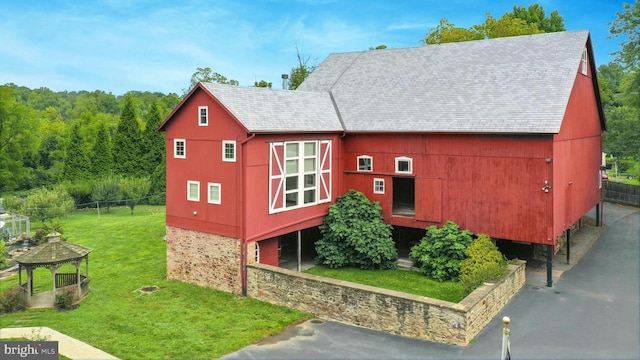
x,y
152,140
101,160
127,147
76,160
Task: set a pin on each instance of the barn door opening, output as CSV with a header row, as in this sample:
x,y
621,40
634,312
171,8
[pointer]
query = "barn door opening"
x,y
404,196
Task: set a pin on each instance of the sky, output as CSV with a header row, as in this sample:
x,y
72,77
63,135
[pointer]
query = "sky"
x,y
156,45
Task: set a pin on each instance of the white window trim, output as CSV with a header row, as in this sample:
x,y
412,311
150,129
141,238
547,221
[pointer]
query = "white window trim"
x,y
257,252
224,153
377,181
200,123
209,200
404,158
584,62
189,183
364,157
175,149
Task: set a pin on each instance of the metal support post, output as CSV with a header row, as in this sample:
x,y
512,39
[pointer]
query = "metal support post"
x,y
549,265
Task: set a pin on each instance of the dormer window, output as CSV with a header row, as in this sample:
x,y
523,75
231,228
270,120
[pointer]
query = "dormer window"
x,y
365,163
584,62
203,116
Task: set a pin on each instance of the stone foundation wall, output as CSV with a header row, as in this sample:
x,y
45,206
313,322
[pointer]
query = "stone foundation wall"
x,y
386,310
204,259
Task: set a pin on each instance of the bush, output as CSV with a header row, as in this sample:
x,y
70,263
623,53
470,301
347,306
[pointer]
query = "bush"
x,y
44,204
484,262
440,251
65,296
40,237
10,299
354,234
80,191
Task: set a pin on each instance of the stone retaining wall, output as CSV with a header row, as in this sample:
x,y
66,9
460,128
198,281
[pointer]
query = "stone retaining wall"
x,y
386,310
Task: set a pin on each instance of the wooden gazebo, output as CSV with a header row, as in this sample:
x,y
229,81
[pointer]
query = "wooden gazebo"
x,y
52,255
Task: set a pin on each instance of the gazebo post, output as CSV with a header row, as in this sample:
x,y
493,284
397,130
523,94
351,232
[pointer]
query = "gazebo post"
x,y
29,285
78,282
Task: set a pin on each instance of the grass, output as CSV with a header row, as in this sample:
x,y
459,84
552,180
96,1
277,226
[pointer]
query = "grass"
x,y
410,282
179,321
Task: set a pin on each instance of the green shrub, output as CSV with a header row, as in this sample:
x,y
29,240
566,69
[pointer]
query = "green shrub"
x,y
484,262
44,204
10,299
354,234
440,251
65,296
40,236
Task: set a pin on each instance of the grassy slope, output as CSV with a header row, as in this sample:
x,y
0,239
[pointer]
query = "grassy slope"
x,y
180,321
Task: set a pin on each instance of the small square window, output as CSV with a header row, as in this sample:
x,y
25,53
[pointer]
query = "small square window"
x,y
193,190
215,193
180,148
378,186
203,116
404,165
229,151
365,163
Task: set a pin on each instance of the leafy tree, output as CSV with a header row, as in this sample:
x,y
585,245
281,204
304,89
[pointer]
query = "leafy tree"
x,y
44,204
263,84
535,14
19,127
627,24
127,142
354,234
76,161
622,137
207,75
300,72
107,191
101,157
522,21
483,262
135,189
379,47
440,251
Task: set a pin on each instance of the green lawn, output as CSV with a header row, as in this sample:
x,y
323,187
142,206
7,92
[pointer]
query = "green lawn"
x,y
407,281
179,321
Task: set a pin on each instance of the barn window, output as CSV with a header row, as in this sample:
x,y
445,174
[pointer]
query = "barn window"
x,y
203,116
229,151
584,62
365,163
193,190
180,148
215,193
378,186
404,165
300,174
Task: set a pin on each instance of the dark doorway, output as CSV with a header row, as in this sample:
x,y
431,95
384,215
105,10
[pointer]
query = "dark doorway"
x,y
405,238
288,249
404,196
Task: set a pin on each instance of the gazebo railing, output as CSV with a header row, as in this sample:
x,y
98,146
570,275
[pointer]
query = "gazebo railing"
x,y
66,280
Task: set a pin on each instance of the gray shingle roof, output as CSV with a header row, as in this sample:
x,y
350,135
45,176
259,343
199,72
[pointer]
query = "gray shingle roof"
x,y
506,85
53,252
266,110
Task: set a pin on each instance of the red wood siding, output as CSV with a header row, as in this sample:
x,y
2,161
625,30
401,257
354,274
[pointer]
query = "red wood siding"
x,y
577,157
269,251
260,224
203,163
488,184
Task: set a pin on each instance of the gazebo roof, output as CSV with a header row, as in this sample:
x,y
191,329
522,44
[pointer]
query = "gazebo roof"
x,y
53,252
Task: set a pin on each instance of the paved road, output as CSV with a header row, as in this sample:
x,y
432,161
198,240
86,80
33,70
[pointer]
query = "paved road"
x,y
591,312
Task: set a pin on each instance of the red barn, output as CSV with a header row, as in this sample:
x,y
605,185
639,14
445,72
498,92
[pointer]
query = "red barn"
x,y
502,136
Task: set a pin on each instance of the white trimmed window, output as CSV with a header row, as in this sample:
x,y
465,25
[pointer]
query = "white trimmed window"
x,y
229,151
193,190
299,175
365,163
404,165
180,148
584,62
215,193
203,116
378,186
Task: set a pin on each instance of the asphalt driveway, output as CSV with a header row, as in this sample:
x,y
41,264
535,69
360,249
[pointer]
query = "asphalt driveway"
x,y
591,312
